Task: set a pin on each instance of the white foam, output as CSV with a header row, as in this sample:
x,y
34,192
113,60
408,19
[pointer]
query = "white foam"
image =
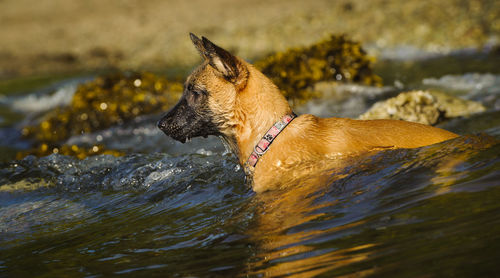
x,y
41,102
465,82
202,151
342,100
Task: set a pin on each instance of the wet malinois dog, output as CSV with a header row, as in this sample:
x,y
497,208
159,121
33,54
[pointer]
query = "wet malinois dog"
x,y
227,97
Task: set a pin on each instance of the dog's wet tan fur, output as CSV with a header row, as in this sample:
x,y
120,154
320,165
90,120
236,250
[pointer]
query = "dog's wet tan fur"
x,y
244,104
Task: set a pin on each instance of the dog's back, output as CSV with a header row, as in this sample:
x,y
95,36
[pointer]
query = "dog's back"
x,y
314,144
361,135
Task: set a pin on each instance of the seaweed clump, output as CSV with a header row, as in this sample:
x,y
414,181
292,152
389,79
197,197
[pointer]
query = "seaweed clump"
x,y
338,58
107,100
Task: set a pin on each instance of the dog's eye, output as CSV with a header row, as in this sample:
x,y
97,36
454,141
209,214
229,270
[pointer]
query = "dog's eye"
x,y
197,93
194,96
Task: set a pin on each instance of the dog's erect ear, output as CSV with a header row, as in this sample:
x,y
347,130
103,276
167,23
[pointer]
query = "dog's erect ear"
x,y
227,65
221,60
199,45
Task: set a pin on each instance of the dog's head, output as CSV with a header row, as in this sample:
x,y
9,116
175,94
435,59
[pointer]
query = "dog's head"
x,y
206,106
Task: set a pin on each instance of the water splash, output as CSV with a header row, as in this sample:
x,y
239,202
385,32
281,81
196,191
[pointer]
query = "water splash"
x,y
44,99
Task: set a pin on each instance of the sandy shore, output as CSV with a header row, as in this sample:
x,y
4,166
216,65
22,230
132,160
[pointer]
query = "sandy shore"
x,y
43,37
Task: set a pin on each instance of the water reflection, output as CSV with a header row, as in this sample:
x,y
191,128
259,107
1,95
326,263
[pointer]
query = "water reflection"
x,y
363,213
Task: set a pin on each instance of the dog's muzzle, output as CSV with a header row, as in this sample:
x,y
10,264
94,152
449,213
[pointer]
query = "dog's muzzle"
x,y
169,128
183,123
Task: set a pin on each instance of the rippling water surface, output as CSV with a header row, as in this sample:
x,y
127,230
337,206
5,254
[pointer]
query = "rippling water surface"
x,y
168,209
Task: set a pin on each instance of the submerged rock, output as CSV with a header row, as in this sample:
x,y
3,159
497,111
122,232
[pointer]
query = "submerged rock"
x,y
108,100
426,107
296,70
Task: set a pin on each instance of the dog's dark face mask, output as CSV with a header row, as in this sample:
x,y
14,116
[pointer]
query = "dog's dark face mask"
x,y
190,117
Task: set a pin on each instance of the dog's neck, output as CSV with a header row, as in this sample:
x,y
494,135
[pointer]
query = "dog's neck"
x,y
259,105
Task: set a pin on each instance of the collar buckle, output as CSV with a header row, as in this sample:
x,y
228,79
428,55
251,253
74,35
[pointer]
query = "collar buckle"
x,y
258,150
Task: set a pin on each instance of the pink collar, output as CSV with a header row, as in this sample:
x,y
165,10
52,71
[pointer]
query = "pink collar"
x,y
261,148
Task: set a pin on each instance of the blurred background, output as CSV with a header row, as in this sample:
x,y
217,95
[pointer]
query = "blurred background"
x,y
41,37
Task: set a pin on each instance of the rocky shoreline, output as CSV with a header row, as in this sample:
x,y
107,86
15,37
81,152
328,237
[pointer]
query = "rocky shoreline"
x,y
57,36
